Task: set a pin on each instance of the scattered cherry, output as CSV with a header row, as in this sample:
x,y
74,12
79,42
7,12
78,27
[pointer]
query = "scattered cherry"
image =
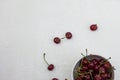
x,y
50,66
93,27
55,79
57,40
68,35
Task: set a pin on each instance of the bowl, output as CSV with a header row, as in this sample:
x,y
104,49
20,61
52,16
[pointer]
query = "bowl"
x,y
79,70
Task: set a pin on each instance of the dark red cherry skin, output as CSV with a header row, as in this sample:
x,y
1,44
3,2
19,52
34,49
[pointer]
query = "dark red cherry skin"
x,y
55,79
57,40
50,67
102,70
87,77
84,61
84,68
101,61
95,61
104,76
107,65
109,75
68,35
96,69
97,77
93,27
90,65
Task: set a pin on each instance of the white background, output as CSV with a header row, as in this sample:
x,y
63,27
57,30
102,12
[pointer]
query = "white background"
x,y
27,29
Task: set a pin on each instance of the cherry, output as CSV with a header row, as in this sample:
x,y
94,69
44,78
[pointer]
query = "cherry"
x,y
55,79
104,76
107,65
100,61
96,69
84,68
97,77
102,70
87,77
90,65
93,27
84,61
95,61
68,35
57,40
109,76
50,66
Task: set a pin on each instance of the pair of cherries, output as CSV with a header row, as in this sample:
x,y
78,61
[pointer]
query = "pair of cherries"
x,y
57,40
68,35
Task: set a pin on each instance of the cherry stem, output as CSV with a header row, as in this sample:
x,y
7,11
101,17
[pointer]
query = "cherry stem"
x,y
113,68
63,37
91,75
45,59
99,72
105,61
85,57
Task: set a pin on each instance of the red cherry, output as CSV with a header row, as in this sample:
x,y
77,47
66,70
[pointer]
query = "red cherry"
x,y
97,77
109,76
57,40
107,65
87,77
93,27
104,76
55,79
90,65
50,66
84,68
68,35
102,70
95,61
84,61
96,69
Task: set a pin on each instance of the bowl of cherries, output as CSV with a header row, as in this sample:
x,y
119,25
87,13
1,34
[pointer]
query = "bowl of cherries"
x,y
93,67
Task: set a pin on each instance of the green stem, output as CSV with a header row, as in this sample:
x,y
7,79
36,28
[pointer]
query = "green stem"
x,y
91,75
63,37
103,62
45,59
85,57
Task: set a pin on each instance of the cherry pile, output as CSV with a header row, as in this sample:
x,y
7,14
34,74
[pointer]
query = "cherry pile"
x,y
57,40
94,67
